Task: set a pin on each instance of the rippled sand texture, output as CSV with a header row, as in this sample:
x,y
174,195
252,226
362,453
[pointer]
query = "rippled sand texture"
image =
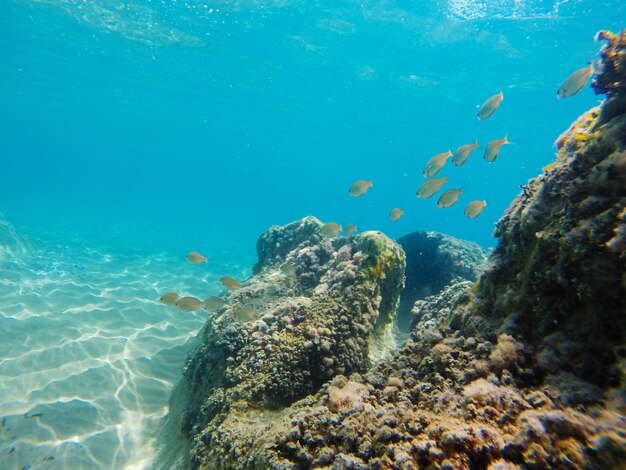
x,y
87,357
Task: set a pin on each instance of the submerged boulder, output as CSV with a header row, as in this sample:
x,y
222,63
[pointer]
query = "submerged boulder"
x,y
314,309
435,261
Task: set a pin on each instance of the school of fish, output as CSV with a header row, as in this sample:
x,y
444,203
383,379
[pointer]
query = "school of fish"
x,y
243,313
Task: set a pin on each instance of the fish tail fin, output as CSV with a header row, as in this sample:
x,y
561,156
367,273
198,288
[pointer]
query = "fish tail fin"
x,y
507,141
501,95
476,143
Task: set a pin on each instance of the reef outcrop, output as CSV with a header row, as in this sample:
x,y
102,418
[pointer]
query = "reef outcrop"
x,y
433,262
314,309
523,368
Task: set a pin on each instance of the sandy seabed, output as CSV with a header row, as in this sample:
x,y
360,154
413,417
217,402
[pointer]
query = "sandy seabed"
x,y
88,357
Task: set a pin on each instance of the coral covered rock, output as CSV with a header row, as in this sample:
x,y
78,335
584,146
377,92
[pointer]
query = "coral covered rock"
x,y
435,261
330,313
559,266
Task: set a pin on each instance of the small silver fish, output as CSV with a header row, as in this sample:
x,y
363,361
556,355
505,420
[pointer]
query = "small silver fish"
x,y
449,198
430,187
169,299
475,208
395,214
330,230
436,163
490,106
211,304
189,304
463,152
350,229
575,82
493,148
245,314
288,269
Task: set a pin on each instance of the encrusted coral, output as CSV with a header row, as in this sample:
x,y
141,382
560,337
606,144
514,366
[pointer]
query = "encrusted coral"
x,y
558,267
330,316
610,79
435,261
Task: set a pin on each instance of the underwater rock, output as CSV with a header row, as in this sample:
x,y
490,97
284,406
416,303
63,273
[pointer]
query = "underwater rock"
x,y
435,261
332,316
274,245
559,266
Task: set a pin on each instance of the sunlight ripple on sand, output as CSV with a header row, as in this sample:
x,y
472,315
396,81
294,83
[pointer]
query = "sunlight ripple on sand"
x,y
88,357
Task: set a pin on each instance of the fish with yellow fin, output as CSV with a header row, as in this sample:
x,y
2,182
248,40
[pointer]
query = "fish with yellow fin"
x,y
169,299
575,82
330,230
395,214
230,283
436,163
431,187
463,153
360,187
211,304
449,198
474,209
196,258
493,148
490,106
189,304
350,229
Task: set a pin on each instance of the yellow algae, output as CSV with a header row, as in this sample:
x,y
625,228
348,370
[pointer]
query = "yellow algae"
x,y
359,188
436,163
548,167
230,283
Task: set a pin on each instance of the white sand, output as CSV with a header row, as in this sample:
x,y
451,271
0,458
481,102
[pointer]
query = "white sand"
x,y
87,355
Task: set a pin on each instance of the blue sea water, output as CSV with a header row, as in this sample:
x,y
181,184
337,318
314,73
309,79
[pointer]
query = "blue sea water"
x,y
134,132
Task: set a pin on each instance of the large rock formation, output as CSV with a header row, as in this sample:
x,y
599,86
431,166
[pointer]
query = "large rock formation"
x,y
315,308
433,262
558,276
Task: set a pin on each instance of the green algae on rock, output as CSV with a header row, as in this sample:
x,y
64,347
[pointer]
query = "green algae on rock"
x,y
334,317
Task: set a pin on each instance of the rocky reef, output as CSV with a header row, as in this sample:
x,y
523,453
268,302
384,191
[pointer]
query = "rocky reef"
x,y
433,262
315,308
523,368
